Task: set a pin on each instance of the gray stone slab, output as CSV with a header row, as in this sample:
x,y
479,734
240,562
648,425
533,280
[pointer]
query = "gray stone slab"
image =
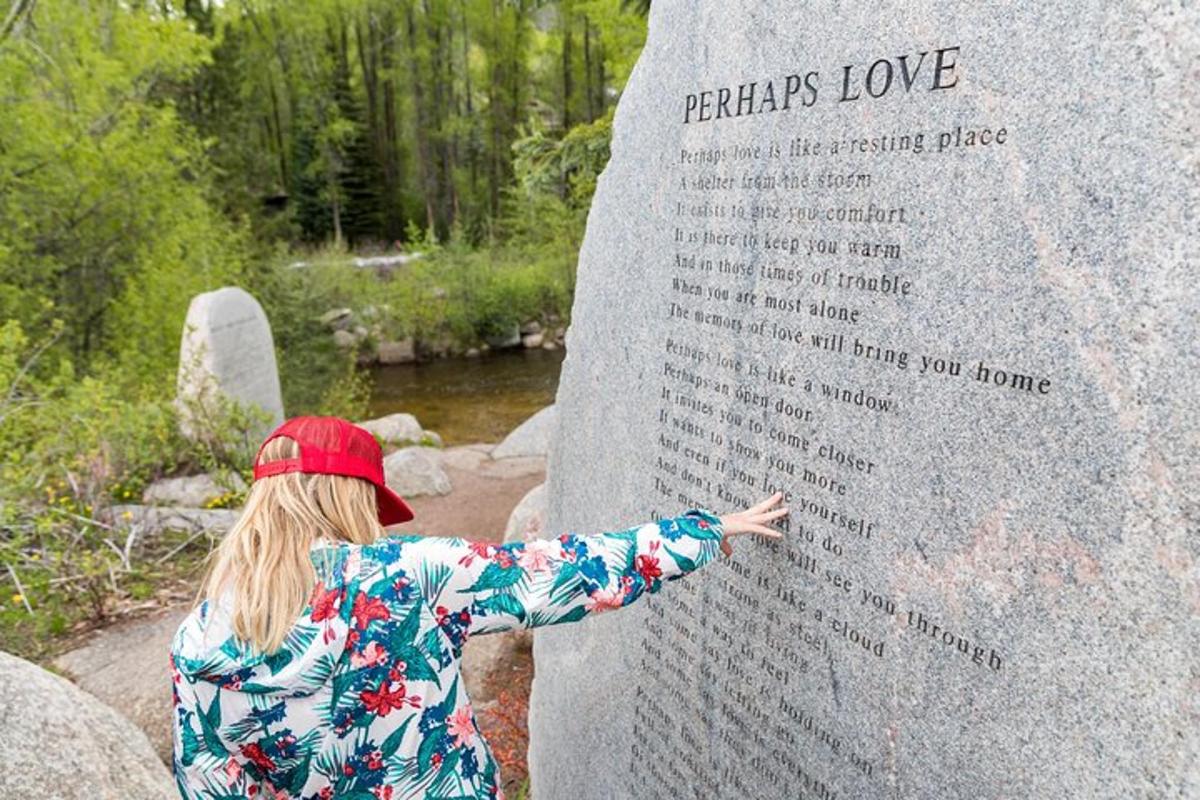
x,y
947,302
227,352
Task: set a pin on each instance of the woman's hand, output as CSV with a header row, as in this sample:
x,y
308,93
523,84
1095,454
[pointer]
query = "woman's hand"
x,y
753,520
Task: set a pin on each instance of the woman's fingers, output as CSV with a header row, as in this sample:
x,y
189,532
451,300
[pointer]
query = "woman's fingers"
x,y
773,500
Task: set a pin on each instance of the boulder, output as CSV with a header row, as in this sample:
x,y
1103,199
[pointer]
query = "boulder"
x,y
58,741
509,338
527,521
396,352
488,662
337,318
416,471
344,339
530,438
505,469
191,490
149,520
533,326
549,344
127,667
532,340
472,352
395,429
466,457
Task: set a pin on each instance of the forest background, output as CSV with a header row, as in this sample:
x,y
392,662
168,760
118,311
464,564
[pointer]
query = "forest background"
x,y
150,151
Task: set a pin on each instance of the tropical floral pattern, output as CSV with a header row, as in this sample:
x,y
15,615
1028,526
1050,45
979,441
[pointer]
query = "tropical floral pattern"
x,y
364,701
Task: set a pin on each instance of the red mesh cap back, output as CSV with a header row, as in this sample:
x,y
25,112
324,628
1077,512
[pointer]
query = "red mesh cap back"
x,y
334,446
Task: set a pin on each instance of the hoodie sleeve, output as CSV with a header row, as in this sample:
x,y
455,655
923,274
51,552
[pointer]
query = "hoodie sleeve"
x,y
488,588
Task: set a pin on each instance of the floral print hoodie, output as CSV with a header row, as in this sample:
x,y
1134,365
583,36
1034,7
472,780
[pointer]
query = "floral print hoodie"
x,y
364,701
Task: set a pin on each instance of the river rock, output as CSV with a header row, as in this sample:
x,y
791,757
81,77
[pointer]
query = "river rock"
x,y
549,344
395,429
57,741
126,666
416,471
191,490
467,457
344,339
533,326
532,340
509,338
530,438
227,354
528,519
402,351
339,319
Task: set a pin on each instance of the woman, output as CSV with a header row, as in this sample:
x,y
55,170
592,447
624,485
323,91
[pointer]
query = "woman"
x,y
323,659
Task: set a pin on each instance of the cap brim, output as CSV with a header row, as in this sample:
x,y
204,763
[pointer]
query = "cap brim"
x,y
391,506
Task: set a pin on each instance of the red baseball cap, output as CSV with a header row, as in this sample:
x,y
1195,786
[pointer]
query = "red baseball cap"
x,y
334,446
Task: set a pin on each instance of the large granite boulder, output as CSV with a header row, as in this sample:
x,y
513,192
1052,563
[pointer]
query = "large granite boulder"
x,y
127,667
528,519
530,438
416,471
57,741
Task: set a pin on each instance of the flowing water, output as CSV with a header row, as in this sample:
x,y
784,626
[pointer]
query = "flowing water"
x,y
470,399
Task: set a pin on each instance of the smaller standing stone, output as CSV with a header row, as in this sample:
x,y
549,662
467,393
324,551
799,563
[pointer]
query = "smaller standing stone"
x,y
227,353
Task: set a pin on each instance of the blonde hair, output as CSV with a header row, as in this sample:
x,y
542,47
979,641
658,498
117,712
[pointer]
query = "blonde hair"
x,y
264,561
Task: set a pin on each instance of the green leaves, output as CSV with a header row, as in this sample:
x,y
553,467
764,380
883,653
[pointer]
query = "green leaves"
x,y
392,743
503,604
497,577
210,726
685,563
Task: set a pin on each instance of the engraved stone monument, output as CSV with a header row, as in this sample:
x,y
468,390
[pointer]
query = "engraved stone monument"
x,y
227,353
931,270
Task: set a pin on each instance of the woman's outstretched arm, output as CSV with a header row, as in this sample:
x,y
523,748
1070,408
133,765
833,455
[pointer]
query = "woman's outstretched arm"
x,y
485,588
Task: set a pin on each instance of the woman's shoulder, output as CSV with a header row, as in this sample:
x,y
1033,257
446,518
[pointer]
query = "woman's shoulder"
x,y
386,554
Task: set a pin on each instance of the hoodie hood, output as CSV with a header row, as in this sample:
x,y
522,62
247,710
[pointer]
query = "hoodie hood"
x,y
206,649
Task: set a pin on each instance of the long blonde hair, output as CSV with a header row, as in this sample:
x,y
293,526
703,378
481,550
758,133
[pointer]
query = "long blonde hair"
x,y
264,561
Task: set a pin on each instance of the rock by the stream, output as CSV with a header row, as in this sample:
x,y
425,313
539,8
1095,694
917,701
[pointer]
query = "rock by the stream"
x,y
191,490
530,438
532,340
533,326
344,339
337,318
154,519
416,471
528,519
466,457
509,338
403,351
395,429
57,741
127,667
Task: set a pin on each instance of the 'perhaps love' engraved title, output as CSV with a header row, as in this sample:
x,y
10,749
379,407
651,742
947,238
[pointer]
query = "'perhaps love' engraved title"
x,y
929,70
